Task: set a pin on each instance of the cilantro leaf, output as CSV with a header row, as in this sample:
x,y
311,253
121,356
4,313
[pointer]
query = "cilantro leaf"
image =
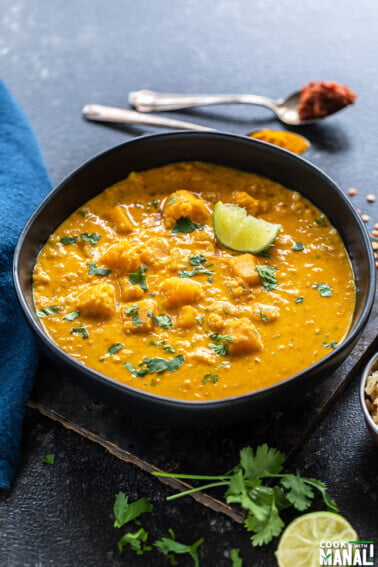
x,y
299,494
263,317
164,321
190,273
161,364
267,277
41,313
92,237
170,545
322,222
172,200
135,541
332,344
135,317
324,289
81,331
219,338
299,300
125,511
237,561
112,350
298,247
265,461
94,271
197,260
221,349
72,316
186,225
265,530
209,378
139,277
49,459
163,345
68,240
137,373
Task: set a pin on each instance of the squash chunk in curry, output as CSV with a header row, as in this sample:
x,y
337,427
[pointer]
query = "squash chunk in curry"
x,y
135,285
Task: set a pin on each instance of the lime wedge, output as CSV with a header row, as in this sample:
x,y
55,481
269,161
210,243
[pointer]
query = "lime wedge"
x,y
300,542
241,232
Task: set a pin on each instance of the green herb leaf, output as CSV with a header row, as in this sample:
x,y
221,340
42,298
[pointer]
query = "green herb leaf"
x,y
163,345
170,545
325,290
135,541
135,319
263,317
49,459
194,272
221,349
299,494
129,310
112,350
81,331
68,240
161,364
237,561
94,271
218,338
47,311
209,378
137,373
298,247
164,321
186,225
125,511
92,237
322,222
267,277
332,344
299,300
72,316
197,260
172,200
139,277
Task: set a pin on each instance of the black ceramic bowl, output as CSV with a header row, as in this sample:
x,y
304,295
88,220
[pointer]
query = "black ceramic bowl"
x,y
218,148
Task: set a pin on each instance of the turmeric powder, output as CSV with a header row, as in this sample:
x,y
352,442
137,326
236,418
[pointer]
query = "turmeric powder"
x,y
287,140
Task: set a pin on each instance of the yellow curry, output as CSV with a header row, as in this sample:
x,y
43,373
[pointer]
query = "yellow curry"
x,y
135,285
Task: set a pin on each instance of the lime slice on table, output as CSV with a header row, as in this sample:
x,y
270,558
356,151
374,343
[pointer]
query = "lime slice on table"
x,y
300,542
237,230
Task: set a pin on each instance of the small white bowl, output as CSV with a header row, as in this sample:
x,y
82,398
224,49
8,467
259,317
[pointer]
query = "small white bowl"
x,y
371,366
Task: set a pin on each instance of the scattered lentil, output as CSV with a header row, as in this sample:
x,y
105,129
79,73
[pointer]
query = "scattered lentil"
x,y
370,198
359,211
352,192
374,233
375,245
376,226
365,218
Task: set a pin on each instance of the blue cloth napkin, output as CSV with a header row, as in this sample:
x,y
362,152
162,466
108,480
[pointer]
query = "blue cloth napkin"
x,y
23,183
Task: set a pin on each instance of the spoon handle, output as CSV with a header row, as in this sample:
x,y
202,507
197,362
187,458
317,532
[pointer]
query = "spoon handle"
x,y
150,101
101,113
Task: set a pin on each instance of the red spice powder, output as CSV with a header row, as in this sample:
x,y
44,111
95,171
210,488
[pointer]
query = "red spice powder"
x,y
321,98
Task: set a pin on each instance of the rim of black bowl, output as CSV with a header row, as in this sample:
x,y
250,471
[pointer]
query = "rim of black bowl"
x,y
370,367
103,378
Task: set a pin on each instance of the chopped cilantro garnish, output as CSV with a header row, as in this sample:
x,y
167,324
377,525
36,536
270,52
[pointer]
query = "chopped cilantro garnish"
x,y
267,277
264,254
135,541
112,350
263,317
197,260
298,247
218,338
213,378
68,240
194,272
161,364
94,271
299,300
49,459
41,313
92,237
171,547
172,200
332,344
237,561
133,311
137,373
139,277
163,345
72,316
163,321
125,511
324,289
220,347
322,222
186,225
81,331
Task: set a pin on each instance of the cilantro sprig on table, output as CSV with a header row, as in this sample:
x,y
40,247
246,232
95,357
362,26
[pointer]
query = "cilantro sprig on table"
x,y
246,485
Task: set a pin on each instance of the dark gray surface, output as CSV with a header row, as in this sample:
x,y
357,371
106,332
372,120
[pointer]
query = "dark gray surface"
x,y
56,57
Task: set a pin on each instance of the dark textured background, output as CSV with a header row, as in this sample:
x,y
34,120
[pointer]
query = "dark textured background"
x,y
57,56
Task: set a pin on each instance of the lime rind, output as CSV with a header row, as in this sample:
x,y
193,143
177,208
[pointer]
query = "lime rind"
x,y
241,232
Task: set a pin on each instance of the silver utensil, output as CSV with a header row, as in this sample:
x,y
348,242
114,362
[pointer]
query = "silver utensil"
x,y
101,113
286,109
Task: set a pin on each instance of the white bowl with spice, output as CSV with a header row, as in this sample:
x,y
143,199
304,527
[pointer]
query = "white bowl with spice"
x,y
369,396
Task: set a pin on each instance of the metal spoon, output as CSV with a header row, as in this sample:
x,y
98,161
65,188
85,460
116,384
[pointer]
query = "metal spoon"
x,y
285,109
101,113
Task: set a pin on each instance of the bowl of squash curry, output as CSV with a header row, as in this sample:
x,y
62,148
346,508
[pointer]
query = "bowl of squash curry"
x,y
123,276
